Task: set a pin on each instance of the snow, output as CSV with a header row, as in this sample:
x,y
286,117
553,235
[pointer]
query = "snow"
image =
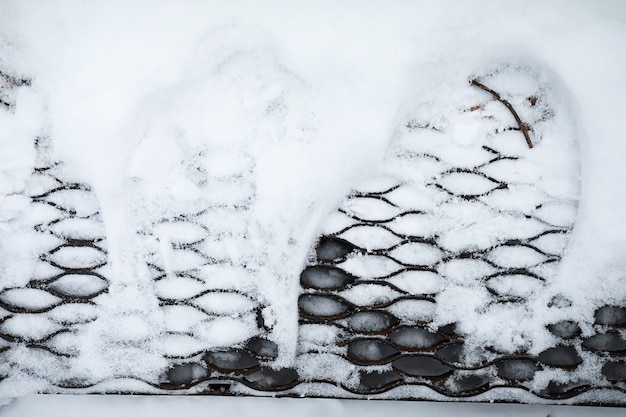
x,y
266,117
77,257
417,254
413,310
370,294
30,327
416,282
28,298
370,266
73,313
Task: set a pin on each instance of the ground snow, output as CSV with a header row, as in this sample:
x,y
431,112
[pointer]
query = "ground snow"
x,y
301,102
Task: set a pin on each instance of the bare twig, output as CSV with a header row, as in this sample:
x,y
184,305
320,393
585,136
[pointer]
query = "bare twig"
x,y
522,126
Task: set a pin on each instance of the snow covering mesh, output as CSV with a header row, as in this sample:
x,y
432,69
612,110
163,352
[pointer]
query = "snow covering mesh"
x,y
386,256
390,340
367,300
72,259
200,242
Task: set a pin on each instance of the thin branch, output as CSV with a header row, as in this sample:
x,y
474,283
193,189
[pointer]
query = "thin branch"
x,y
522,126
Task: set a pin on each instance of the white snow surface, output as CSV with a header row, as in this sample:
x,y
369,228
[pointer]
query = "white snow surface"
x,y
301,100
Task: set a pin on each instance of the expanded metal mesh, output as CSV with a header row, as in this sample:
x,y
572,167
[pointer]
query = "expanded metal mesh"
x,y
45,315
367,302
376,243
203,254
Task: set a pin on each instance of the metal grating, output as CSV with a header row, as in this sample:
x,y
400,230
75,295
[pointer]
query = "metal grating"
x,y
377,243
69,274
198,249
372,285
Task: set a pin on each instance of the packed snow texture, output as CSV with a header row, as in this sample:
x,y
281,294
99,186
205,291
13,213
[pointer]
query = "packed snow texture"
x,y
268,115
